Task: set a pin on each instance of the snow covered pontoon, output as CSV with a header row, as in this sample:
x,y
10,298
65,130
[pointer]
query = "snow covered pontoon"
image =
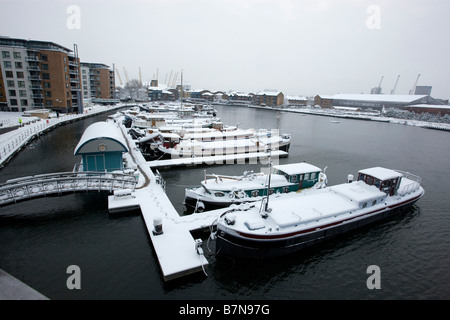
x,y
296,220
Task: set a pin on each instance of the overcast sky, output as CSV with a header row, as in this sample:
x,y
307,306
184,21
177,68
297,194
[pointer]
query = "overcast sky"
x,y
299,47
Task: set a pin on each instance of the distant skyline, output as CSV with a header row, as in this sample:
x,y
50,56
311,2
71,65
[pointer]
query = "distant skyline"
x,y
299,47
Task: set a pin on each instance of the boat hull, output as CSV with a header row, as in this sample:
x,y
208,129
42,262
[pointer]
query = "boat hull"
x,y
260,247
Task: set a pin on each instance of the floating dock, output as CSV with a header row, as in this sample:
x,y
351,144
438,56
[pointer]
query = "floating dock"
x,y
178,253
222,159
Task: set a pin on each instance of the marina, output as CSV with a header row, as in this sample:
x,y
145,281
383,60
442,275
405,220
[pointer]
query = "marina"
x,y
173,221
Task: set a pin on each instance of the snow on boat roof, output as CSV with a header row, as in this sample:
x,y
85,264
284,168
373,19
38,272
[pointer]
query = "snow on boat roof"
x,y
297,168
381,173
101,130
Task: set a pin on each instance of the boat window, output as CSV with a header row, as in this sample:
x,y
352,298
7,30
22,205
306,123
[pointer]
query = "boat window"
x,y
285,189
313,175
255,193
219,194
374,202
271,191
294,178
306,176
364,205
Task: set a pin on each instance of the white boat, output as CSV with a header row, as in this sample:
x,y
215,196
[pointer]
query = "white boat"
x,y
294,221
173,146
222,191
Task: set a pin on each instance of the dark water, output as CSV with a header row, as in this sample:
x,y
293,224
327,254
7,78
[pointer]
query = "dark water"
x,y
39,239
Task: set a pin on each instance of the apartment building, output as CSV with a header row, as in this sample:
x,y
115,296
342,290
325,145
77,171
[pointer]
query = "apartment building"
x,y
268,98
38,74
97,80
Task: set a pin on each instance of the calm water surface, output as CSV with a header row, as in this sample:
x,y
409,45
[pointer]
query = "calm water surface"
x,y
39,239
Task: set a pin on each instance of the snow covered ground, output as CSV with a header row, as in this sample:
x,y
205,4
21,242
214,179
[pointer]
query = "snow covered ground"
x,y
14,140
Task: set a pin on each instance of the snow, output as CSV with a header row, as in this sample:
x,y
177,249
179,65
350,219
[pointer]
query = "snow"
x,y
381,173
297,168
101,130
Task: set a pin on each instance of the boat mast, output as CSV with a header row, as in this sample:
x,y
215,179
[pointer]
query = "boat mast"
x,y
182,93
267,209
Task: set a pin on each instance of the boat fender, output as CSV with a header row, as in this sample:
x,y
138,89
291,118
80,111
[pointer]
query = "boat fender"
x,y
350,178
200,206
240,194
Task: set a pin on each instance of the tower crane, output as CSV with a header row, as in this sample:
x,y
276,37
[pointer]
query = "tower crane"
x,y
379,86
395,86
413,90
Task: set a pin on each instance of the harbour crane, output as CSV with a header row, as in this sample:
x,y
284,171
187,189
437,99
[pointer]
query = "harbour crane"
x,y
379,86
395,86
413,90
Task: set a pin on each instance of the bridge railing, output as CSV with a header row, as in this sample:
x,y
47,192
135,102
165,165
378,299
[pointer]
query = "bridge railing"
x,y
58,183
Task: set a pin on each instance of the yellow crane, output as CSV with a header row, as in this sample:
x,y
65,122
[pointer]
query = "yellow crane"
x,y
118,75
126,74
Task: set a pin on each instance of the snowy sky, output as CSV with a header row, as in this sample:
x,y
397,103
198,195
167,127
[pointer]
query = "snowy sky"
x,y
300,47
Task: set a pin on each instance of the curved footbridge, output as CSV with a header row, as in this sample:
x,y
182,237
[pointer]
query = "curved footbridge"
x,y
27,188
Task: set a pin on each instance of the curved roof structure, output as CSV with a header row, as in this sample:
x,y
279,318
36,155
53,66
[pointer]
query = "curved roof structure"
x,y
101,133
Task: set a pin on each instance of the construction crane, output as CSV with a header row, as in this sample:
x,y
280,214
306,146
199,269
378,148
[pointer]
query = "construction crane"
x,y
413,90
395,86
379,86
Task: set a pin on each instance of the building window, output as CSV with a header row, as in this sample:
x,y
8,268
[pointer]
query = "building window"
x,y
44,57
7,64
19,74
23,102
10,83
44,66
9,74
22,93
13,102
18,65
46,85
46,76
17,55
12,93
65,60
49,103
48,94
21,84
6,55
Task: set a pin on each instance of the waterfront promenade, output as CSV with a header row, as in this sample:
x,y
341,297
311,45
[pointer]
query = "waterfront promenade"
x,y
14,140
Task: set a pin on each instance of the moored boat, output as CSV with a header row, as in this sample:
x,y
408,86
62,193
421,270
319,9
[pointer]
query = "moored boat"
x,y
294,221
221,190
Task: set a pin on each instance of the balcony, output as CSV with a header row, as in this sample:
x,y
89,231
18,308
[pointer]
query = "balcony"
x,y
34,78
34,68
35,87
32,58
37,96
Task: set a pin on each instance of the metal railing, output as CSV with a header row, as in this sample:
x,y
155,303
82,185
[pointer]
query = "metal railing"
x,y
26,188
413,185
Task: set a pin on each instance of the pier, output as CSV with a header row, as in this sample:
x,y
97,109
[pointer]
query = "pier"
x,y
178,253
